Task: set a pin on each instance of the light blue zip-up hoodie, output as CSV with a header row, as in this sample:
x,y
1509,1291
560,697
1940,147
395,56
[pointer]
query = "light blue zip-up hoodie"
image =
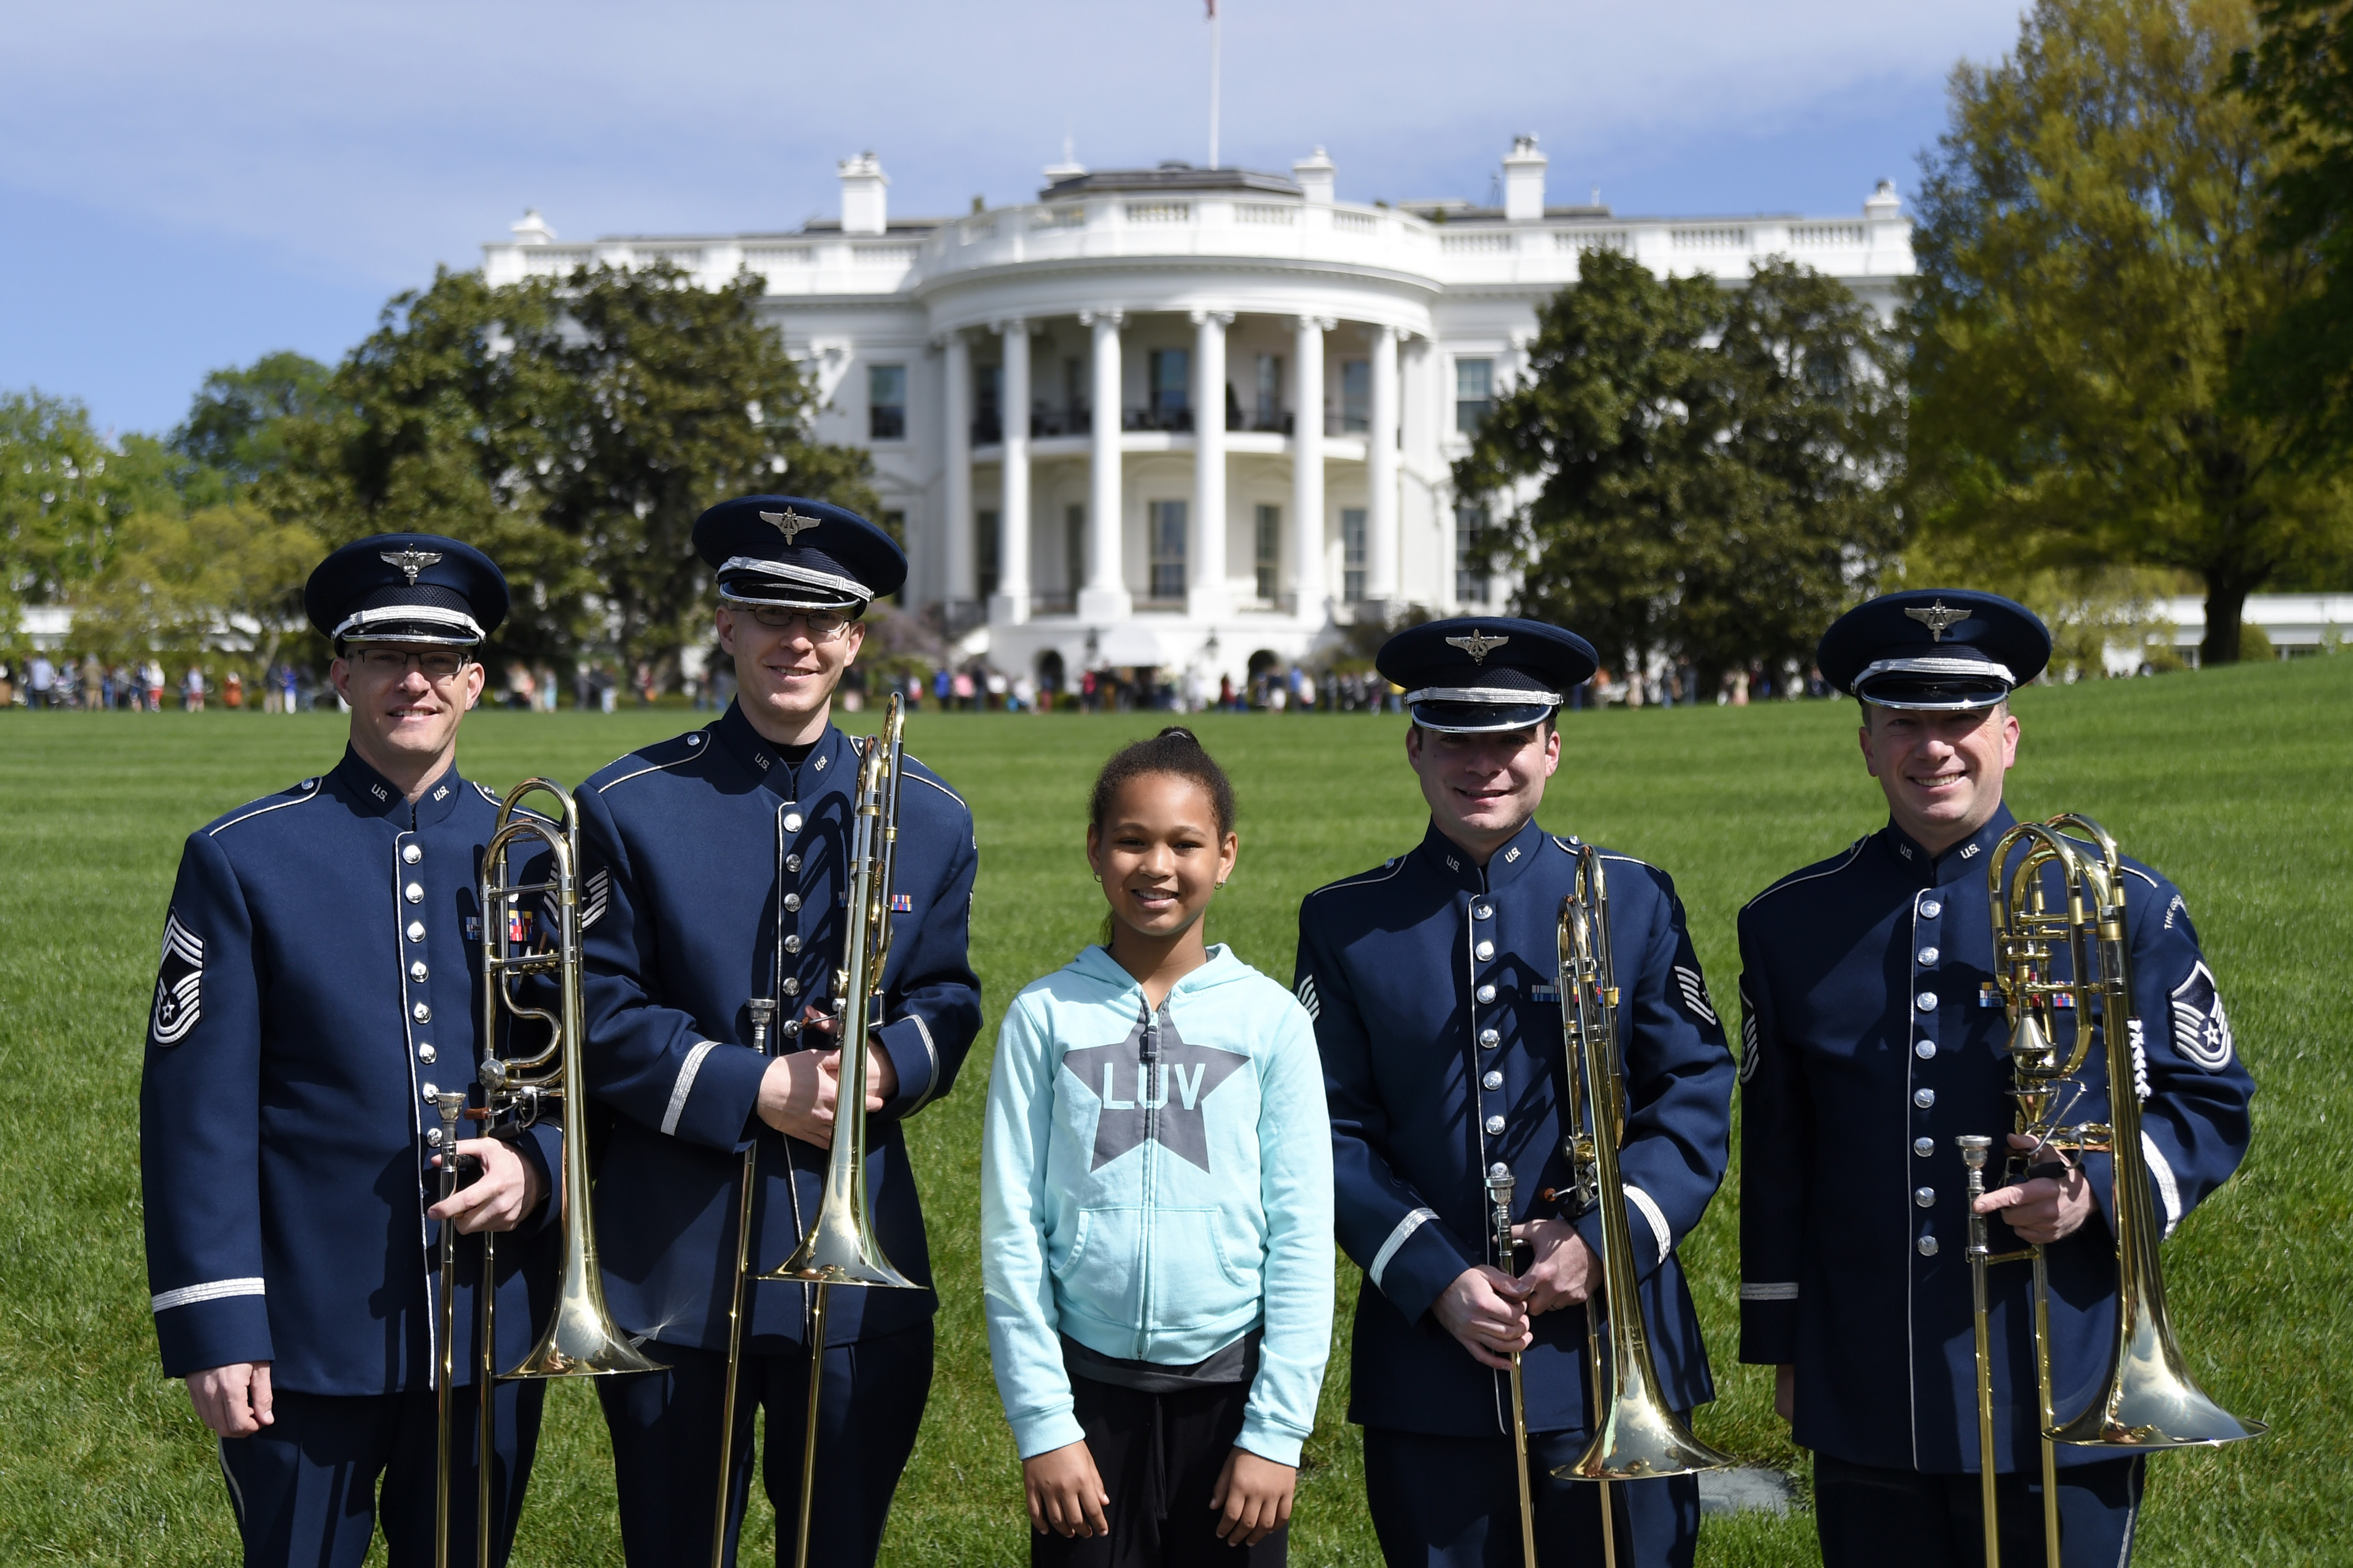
x,y
1155,1186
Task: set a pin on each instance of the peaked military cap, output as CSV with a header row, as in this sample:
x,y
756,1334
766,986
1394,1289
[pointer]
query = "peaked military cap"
x,y
407,587
1478,675
801,554
1947,650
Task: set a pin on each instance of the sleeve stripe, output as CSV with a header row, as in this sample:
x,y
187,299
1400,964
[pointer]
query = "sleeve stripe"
x,y
1782,1290
213,1290
2167,1188
685,1086
930,1051
1398,1238
1651,1211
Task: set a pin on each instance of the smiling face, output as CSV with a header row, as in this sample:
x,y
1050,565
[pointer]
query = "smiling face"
x,y
1483,789
406,705
1160,855
1941,771
784,675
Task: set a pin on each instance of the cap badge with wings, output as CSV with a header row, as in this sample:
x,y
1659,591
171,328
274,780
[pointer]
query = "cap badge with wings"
x,y
1937,618
788,522
411,561
1477,645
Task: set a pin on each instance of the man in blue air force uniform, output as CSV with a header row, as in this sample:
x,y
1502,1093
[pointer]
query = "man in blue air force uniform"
x,y
715,874
322,978
1433,980
1873,1037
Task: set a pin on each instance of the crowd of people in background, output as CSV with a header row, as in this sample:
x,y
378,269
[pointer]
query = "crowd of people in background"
x,y
90,683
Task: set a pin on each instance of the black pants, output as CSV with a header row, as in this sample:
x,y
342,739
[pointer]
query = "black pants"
x,y
305,1487
1867,1516
1452,1502
1159,1455
665,1427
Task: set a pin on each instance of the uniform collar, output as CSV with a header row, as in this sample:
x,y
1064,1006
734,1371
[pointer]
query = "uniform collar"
x,y
373,794
765,762
1966,859
1454,865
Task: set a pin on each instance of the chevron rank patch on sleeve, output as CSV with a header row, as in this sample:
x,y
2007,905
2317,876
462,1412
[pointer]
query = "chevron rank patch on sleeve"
x,y
1750,1039
1307,998
1695,992
179,984
600,891
2200,1030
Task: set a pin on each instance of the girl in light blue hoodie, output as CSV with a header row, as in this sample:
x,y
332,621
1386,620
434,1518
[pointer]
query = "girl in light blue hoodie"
x,y
1157,1207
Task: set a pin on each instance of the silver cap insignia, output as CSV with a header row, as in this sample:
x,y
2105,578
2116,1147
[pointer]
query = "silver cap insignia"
x,y
1477,644
1937,618
411,561
789,523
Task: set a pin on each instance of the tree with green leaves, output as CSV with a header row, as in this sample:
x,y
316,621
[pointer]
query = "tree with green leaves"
x,y
2299,83
191,580
2091,274
573,429
1689,470
63,496
235,425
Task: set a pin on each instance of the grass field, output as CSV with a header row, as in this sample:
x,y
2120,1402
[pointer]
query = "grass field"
x,y
2233,781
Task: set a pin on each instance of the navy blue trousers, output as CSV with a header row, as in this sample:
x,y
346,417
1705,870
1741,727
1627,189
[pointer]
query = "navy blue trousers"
x,y
1865,1515
665,1427
1452,1502
311,1487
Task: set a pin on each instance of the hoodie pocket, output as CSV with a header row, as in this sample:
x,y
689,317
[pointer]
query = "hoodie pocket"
x,y
1102,1275
1197,1282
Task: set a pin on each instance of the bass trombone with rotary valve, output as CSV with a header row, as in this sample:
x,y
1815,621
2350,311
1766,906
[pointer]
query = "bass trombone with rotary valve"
x,y
2148,1400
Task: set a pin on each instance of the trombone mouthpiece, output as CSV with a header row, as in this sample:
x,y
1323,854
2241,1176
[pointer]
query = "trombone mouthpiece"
x,y
1973,1148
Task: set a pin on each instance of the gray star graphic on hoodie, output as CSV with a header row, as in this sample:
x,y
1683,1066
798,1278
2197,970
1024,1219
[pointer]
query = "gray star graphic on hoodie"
x,y
1151,1086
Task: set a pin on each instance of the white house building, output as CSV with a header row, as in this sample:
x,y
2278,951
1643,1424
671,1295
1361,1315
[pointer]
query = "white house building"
x,y
1099,419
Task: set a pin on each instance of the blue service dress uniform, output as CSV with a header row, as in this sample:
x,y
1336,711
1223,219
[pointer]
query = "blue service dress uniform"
x,y
716,872
321,974
1871,1039
1434,986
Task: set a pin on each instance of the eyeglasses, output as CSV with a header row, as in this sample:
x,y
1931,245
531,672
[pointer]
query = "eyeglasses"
x,y
823,626
392,663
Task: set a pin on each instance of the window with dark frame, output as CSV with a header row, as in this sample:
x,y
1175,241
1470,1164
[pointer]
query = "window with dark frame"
x,y
1352,554
1474,393
1166,582
1471,584
886,402
987,540
1270,551
1355,395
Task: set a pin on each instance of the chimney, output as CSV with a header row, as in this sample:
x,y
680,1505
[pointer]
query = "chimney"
x,y
1317,175
863,202
1523,180
1883,205
532,229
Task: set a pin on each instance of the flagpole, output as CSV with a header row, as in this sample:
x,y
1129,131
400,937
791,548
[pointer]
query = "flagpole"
x,y
1214,52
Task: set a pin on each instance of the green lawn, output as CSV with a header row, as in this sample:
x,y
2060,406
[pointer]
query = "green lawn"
x,y
2234,782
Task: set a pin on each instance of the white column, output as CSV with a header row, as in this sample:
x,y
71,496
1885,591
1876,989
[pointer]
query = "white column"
x,y
1210,599
1105,597
961,586
1012,600
1307,470
1380,474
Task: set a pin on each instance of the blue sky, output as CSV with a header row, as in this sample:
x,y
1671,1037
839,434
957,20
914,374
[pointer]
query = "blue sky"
x,y
190,187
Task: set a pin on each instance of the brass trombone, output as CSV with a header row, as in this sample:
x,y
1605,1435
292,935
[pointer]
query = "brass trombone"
x,y
1637,1435
2149,1400
581,1339
839,1247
